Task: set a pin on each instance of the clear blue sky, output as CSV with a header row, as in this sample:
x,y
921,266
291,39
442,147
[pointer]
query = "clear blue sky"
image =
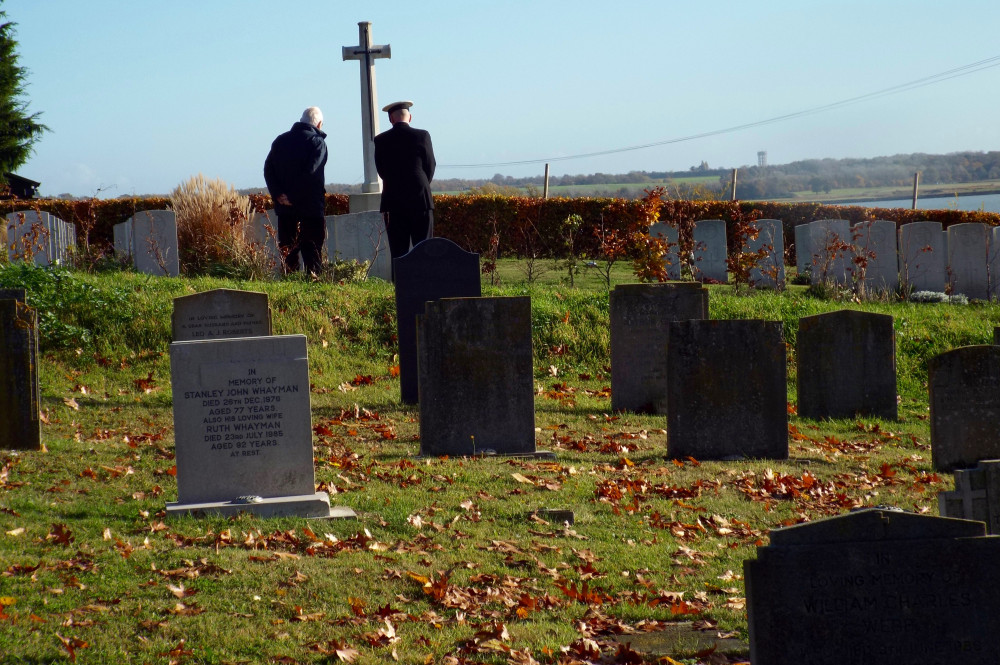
x,y
141,95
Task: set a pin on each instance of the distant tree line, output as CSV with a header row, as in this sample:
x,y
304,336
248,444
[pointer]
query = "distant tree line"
x,y
752,182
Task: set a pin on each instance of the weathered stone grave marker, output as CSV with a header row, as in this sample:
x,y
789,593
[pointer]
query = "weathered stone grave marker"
x,y
922,257
976,496
38,235
243,430
875,587
639,314
20,426
360,236
476,377
737,371
710,250
221,313
436,268
964,388
846,365
149,239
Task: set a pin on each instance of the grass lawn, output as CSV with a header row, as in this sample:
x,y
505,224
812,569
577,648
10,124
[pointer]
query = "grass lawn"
x,y
445,563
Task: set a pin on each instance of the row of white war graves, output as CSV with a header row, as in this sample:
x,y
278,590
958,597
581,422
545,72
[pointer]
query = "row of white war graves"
x,y
149,240
920,256
873,586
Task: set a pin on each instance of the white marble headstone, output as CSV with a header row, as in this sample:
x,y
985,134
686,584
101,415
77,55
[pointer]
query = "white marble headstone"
x,y
671,259
360,236
968,260
770,235
878,238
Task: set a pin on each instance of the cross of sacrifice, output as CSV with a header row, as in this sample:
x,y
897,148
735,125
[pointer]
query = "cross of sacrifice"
x,y
366,54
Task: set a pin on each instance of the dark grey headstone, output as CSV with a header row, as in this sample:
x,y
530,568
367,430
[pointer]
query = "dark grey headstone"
x,y
965,406
726,390
996,336
20,426
639,314
846,365
476,377
976,496
435,268
875,587
221,313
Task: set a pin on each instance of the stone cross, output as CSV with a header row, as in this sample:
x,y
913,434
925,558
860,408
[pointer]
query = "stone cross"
x,y
366,54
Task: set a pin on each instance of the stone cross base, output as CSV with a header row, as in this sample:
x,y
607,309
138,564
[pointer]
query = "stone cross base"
x,y
364,202
976,496
310,506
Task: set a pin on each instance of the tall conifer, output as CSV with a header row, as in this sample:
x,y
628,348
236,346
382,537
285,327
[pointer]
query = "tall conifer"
x,y
19,129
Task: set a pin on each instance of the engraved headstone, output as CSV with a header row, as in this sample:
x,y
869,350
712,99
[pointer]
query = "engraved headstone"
x,y
20,425
875,243
994,263
965,406
435,268
874,587
968,260
671,258
639,314
976,496
149,238
710,251
736,370
846,365
476,377
770,269
221,313
360,236
242,428
921,257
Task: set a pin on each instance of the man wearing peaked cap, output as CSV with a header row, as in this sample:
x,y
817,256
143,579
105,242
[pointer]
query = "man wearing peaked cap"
x,y
404,159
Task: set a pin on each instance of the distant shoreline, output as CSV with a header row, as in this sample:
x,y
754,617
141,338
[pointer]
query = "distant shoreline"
x,y
930,192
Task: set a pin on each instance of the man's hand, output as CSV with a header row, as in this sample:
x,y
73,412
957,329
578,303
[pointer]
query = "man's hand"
x,y
283,200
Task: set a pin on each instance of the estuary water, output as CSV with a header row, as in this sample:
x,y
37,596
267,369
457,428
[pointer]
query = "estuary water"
x,y
983,202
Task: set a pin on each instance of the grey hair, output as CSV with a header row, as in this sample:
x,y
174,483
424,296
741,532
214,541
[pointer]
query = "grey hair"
x,y
312,115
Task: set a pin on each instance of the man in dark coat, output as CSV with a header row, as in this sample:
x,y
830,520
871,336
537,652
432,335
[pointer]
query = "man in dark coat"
x,y
404,159
293,172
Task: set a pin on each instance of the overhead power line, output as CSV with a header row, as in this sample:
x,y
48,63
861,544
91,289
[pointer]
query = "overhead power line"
x,y
964,70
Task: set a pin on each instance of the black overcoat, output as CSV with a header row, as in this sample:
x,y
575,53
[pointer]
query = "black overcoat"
x,y
404,158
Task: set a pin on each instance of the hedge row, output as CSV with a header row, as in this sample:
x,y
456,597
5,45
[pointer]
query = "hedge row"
x,y
520,226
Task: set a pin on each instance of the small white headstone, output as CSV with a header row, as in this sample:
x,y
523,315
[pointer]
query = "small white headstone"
x,y
922,257
263,231
671,259
968,260
710,250
150,239
360,236
770,270
828,257
877,238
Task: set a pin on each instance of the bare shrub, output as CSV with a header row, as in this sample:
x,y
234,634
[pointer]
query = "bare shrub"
x,y
212,221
